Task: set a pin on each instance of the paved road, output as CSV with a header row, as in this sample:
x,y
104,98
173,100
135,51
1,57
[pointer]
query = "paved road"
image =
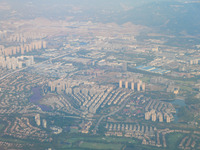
x,y
34,65
110,114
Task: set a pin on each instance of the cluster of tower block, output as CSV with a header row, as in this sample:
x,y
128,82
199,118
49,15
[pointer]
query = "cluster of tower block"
x,y
136,86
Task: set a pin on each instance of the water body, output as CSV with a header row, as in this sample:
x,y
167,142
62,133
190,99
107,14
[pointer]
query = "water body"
x,y
36,97
180,103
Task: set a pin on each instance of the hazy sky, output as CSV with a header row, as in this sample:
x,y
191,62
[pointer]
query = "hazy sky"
x,y
171,15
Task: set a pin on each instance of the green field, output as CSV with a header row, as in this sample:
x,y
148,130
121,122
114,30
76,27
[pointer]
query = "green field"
x,y
118,139
1,126
173,140
102,139
101,146
93,142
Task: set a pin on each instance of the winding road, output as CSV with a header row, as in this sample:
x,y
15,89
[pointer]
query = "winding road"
x,y
110,114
